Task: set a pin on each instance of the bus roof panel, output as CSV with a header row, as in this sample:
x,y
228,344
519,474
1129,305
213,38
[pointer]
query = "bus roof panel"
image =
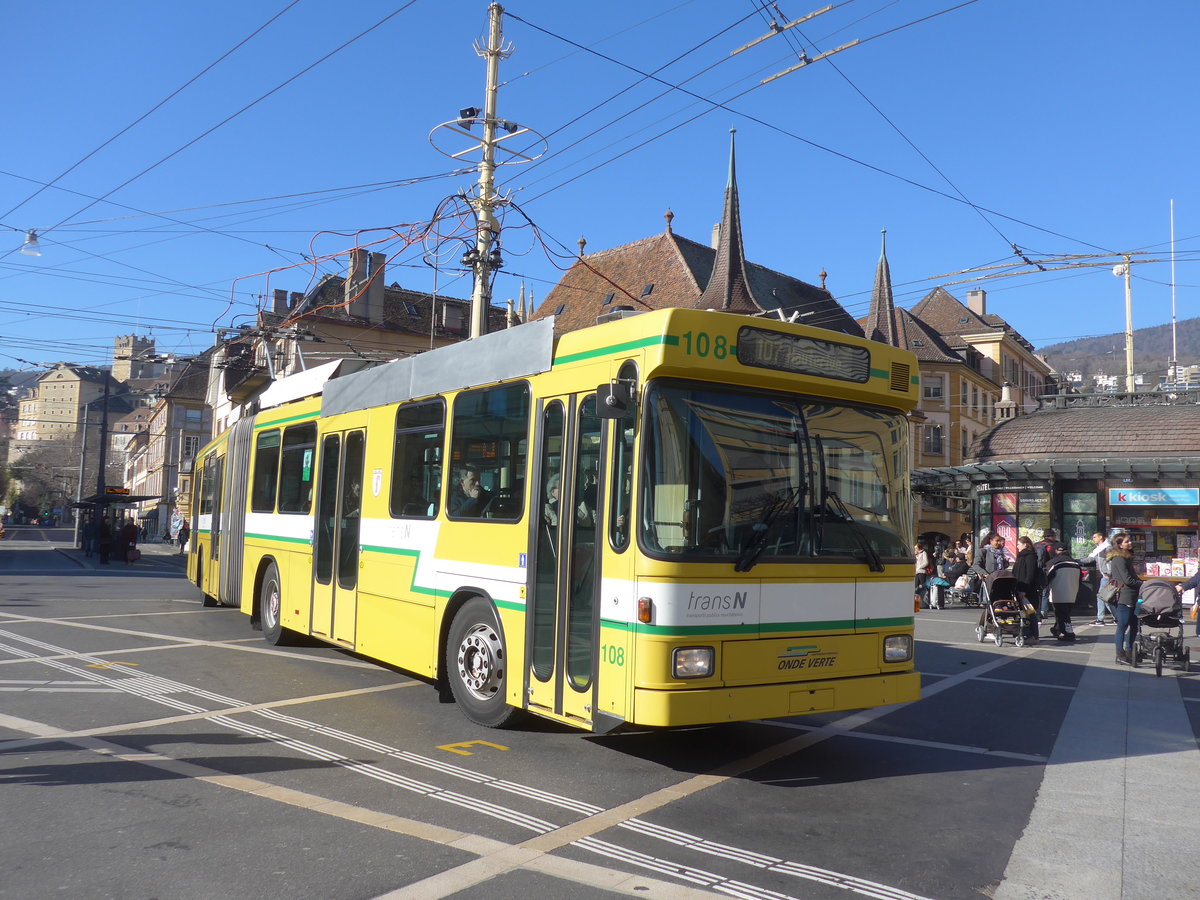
x,y
513,353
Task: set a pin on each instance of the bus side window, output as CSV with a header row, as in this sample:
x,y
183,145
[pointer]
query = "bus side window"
x,y
266,471
296,468
488,450
417,460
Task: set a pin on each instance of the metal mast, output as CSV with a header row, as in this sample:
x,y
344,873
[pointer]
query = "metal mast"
x,y
483,257
487,231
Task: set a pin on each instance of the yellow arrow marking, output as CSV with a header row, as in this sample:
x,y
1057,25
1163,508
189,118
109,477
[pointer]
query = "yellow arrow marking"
x,y
464,752
109,665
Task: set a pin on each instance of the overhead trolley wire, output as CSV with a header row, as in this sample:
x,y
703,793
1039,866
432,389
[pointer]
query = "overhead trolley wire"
x,y
161,103
724,105
231,116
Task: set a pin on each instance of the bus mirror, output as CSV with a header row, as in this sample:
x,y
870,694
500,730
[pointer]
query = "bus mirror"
x,y
614,400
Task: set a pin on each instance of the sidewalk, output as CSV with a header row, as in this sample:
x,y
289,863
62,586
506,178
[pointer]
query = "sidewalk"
x,y
157,557
1119,791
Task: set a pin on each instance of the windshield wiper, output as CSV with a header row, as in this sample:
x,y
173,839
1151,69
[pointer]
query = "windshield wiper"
x,y
874,562
786,501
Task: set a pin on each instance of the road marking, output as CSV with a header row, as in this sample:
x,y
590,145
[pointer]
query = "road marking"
x,y
461,748
110,665
549,837
189,642
569,870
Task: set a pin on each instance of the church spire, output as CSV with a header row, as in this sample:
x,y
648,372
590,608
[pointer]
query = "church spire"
x,y
881,320
728,289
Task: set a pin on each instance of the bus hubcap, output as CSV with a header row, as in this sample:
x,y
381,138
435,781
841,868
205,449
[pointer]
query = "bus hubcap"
x,y
479,662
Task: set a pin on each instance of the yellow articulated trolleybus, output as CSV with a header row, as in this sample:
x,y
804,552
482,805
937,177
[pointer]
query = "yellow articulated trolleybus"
x,y
675,518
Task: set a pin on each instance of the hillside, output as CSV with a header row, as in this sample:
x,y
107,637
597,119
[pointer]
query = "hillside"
x,y
1151,351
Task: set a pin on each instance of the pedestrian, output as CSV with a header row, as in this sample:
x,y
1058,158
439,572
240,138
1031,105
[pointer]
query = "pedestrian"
x,y
1063,575
923,568
89,537
1099,555
184,531
1190,585
1046,549
1029,580
990,556
129,539
104,540
1120,570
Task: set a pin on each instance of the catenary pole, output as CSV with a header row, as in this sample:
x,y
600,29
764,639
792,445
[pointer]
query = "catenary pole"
x,y
1128,329
487,229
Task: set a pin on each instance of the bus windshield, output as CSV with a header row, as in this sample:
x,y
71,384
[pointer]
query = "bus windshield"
x,y
748,477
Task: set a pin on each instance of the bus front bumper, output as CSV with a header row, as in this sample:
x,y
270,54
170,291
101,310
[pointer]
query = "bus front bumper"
x,y
673,708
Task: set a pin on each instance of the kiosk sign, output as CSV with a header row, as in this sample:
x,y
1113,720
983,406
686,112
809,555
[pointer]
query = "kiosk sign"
x,y
1154,496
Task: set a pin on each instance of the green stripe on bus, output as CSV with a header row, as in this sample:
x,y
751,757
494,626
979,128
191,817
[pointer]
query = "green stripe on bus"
x,y
277,537
303,417
415,556
670,340
765,628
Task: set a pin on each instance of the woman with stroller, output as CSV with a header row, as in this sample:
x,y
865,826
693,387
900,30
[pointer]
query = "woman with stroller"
x,y
1120,572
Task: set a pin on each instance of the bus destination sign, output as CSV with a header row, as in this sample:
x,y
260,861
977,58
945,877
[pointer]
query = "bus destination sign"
x,y
803,355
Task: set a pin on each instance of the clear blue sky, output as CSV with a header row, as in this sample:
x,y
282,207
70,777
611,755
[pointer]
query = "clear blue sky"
x,y
1068,125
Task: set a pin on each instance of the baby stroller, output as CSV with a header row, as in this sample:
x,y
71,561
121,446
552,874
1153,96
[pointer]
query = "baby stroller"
x,y
1004,611
1160,626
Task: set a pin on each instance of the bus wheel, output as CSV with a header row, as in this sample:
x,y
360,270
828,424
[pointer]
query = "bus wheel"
x,y
477,665
269,603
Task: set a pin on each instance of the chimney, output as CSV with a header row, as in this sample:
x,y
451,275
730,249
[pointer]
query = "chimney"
x,y
716,235
1007,407
295,299
279,302
365,285
977,302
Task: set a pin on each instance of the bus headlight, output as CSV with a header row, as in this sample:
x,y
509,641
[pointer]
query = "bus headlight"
x,y
692,662
897,648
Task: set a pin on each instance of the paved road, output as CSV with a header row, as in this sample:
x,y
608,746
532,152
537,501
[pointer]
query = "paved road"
x,y
153,748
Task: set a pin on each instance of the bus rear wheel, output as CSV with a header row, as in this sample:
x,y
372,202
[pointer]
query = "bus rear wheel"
x,y
270,601
477,665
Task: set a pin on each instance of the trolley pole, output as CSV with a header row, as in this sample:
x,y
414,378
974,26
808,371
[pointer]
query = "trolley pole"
x,y
487,230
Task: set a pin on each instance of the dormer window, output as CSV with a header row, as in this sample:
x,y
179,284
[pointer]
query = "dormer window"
x,y
916,343
558,311
647,290
963,321
411,308
608,298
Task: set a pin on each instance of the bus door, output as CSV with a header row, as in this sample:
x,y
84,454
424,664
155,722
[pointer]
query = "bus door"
x,y
212,481
564,560
336,550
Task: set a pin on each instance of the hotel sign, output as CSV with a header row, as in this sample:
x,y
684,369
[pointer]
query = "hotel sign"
x,y
1154,496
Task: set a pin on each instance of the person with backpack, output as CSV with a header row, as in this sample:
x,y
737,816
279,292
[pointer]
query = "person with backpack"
x,y
1062,586
1046,549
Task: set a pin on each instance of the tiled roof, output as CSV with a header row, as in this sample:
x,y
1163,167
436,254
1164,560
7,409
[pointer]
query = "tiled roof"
x,y
944,312
678,268
403,309
1116,432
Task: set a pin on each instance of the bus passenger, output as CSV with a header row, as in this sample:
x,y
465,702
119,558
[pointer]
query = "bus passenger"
x,y
470,497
